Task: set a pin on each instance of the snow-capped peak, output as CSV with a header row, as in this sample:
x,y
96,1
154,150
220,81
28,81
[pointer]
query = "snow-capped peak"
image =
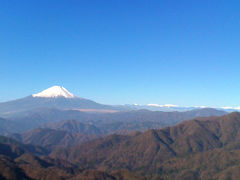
x,y
55,91
165,105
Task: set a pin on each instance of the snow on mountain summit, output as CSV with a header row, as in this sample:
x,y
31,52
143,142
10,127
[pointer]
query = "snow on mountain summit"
x,y
55,91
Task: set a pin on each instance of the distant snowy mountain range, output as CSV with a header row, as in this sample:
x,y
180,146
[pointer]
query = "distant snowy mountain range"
x,y
171,107
60,98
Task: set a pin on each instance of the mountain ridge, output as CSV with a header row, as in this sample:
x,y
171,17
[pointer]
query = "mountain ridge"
x,y
60,98
29,103
144,152
137,120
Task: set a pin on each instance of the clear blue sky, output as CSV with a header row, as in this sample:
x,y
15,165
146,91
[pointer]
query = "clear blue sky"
x,y
123,51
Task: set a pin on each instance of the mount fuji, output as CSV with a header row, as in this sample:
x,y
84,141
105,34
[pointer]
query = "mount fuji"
x,y
55,92
54,97
57,97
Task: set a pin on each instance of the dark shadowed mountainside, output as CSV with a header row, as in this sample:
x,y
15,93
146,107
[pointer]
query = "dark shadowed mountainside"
x,y
65,133
52,138
19,162
7,126
75,126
